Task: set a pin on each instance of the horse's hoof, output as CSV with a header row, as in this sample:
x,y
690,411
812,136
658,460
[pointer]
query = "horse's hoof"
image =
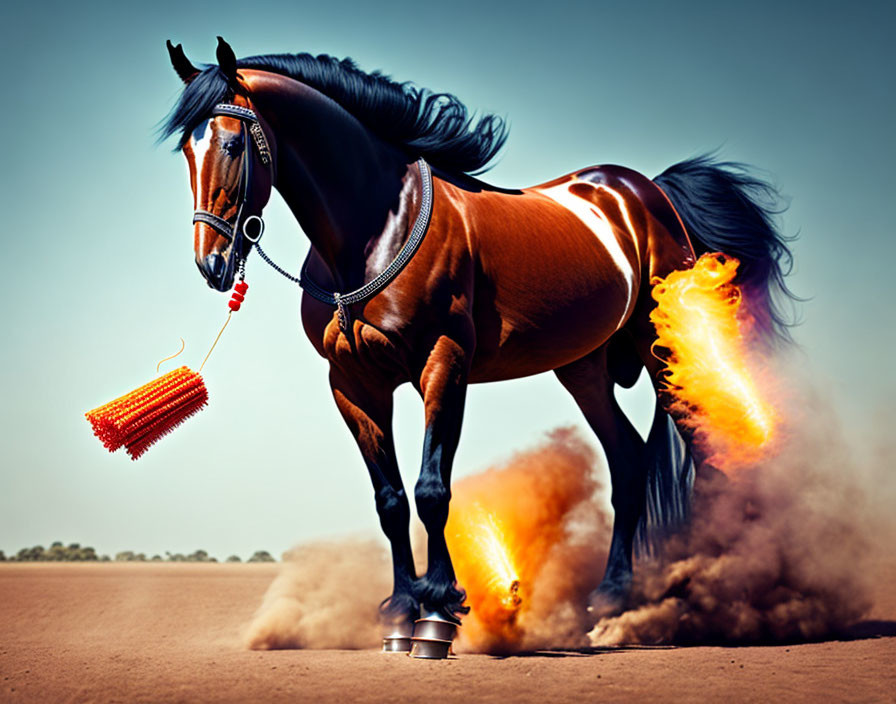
x,y
397,616
433,635
430,649
398,637
607,600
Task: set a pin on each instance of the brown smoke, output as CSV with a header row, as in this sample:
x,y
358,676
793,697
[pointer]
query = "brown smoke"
x,y
546,496
546,500
778,552
326,596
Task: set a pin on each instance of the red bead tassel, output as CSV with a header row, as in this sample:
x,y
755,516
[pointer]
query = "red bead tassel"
x,y
238,296
138,419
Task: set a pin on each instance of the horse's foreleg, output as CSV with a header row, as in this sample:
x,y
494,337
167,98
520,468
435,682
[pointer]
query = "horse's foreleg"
x,y
367,410
443,385
590,384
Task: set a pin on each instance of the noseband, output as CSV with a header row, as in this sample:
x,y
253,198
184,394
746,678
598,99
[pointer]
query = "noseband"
x,y
240,227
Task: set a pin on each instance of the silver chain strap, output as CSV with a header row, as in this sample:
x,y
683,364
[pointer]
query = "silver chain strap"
x,y
421,225
274,266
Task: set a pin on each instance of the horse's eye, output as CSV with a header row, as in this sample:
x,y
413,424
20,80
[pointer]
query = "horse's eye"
x,y
233,147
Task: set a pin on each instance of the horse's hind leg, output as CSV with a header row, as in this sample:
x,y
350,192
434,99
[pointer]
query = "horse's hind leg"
x,y
590,383
367,410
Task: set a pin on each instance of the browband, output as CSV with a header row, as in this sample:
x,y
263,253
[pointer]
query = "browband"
x,y
247,115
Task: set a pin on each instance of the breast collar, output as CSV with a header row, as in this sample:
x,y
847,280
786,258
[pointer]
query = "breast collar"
x,y
379,282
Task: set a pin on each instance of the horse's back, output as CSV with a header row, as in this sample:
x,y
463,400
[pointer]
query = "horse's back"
x,y
560,266
671,247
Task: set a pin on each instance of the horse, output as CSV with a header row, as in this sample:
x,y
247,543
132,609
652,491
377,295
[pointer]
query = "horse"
x,y
419,272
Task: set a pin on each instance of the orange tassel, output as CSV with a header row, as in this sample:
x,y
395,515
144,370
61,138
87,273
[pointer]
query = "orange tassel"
x,y
138,419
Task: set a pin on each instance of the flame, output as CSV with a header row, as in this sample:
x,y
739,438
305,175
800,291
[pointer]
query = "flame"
x,y
484,561
699,320
507,529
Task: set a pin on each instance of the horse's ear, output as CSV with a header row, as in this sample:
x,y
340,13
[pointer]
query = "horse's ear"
x,y
227,60
181,63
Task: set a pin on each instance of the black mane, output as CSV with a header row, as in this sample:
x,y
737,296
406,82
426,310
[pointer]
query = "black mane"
x,y
436,126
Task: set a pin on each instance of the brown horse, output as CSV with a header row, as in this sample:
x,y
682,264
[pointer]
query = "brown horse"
x,y
505,283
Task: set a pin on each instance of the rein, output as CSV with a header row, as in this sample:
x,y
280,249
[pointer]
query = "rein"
x,y
238,230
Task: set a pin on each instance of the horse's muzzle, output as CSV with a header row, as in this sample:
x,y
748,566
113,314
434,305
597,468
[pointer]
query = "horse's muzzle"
x,y
216,272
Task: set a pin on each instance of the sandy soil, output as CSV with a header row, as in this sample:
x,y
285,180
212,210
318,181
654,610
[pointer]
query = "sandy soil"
x,y
172,632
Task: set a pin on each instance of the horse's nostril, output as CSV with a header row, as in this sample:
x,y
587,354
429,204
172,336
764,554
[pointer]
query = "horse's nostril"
x,y
214,265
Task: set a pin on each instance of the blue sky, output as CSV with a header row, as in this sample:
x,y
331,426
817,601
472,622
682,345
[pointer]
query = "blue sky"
x,y
100,281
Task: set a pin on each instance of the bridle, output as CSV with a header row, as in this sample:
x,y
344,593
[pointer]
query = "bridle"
x,y
237,231
245,226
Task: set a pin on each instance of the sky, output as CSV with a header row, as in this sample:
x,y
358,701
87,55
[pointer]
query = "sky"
x,y
100,281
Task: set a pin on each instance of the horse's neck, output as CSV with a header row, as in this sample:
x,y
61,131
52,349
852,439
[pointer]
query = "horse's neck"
x,y
346,188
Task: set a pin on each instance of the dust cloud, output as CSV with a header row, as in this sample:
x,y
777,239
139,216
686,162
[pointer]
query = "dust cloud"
x,y
326,596
781,551
556,534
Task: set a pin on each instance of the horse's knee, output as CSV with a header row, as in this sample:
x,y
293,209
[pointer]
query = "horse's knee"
x,y
393,510
432,498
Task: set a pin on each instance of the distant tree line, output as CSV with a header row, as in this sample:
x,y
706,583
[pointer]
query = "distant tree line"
x,y
58,552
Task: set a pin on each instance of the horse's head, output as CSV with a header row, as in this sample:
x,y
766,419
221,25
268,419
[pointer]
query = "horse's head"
x,y
230,157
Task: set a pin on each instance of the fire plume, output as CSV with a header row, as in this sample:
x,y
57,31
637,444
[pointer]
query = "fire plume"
x,y
703,336
509,530
493,587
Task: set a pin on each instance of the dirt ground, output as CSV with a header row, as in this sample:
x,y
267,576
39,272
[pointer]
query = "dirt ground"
x,y
172,633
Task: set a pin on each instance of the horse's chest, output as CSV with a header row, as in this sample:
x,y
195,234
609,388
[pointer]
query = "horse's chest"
x,y
361,349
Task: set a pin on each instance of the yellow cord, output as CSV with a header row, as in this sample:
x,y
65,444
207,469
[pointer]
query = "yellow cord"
x,y
182,345
215,342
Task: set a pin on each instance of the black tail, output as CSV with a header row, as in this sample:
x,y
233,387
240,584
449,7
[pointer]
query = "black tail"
x,y
726,209
670,478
